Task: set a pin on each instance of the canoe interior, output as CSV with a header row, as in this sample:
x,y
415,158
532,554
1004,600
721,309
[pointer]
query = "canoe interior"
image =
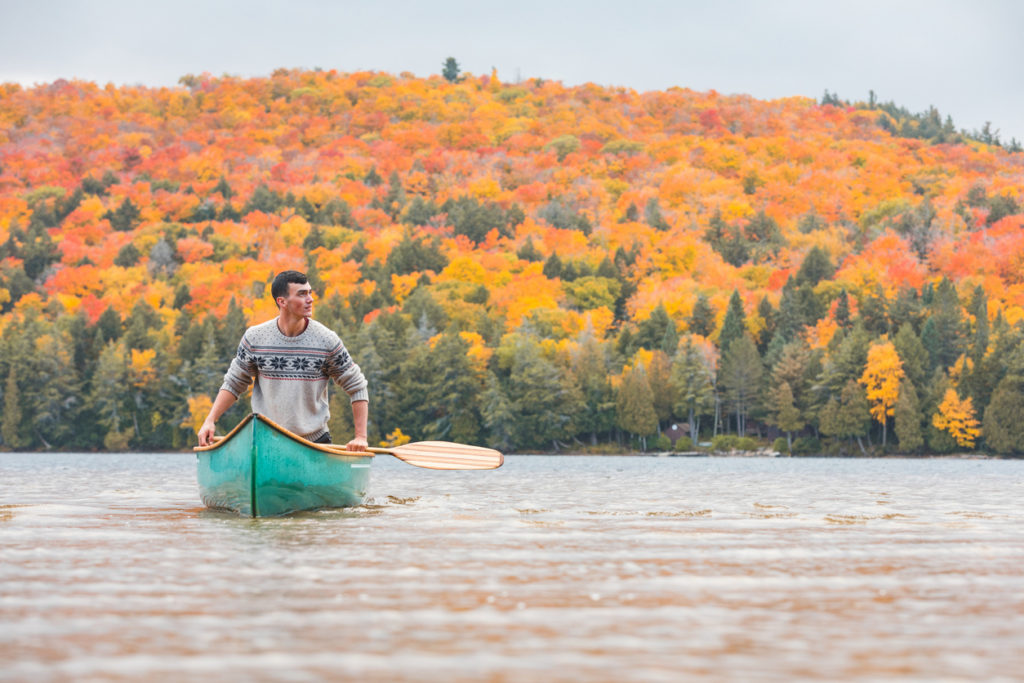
x,y
261,470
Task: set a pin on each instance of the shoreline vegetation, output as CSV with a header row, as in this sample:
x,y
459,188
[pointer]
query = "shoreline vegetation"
x,y
759,452
526,265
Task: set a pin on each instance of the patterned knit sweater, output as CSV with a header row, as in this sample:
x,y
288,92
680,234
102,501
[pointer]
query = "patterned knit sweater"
x,y
291,375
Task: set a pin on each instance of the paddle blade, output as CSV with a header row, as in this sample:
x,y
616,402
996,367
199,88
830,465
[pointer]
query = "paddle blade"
x,y
443,455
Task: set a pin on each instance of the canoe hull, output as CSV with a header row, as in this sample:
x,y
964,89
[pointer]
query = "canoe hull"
x,y
261,470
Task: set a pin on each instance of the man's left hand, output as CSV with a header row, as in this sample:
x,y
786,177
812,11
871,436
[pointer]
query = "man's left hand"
x,y
358,444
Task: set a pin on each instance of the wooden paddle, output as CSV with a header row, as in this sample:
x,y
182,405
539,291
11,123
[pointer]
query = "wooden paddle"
x,y
436,455
432,455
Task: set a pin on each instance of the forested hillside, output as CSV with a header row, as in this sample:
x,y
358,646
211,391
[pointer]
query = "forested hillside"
x,y
529,265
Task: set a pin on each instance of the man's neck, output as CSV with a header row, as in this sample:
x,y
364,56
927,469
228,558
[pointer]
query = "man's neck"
x,y
291,327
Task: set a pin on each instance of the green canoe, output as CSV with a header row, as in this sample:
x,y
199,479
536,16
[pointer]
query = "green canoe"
x,y
261,469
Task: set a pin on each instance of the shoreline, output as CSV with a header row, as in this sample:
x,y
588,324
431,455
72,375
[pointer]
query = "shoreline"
x,y
631,454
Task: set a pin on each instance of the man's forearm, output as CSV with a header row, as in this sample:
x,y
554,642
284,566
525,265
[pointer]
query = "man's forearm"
x,y
360,411
225,399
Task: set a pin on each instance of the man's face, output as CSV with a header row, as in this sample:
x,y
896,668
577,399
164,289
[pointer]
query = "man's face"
x,y
299,301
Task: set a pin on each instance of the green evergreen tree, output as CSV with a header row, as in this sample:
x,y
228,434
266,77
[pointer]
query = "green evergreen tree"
x,y
795,368
653,332
528,252
552,267
702,318
847,417
590,370
438,394
692,379
874,314
634,405
734,326
450,70
783,412
907,419
109,398
126,217
842,314
912,354
938,440
741,378
55,400
768,314
12,429
816,266
944,332
141,325
653,217
543,404
845,363
728,240
1003,422
498,415
420,211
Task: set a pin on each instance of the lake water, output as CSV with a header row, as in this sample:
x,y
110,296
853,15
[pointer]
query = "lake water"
x,y
551,569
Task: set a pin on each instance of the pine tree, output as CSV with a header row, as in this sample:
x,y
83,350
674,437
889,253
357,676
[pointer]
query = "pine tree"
x,y
938,440
853,416
590,370
498,415
653,217
543,403
634,405
768,314
943,333
734,325
817,266
694,389
231,329
912,354
741,378
907,418
12,426
450,70
1004,417
702,318
846,363
783,412
794,367
653,332
842,314
659,377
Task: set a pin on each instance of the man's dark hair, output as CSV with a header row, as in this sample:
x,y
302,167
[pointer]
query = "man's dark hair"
x,y
283,279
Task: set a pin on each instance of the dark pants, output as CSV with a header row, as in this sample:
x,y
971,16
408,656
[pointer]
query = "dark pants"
x,y
326,438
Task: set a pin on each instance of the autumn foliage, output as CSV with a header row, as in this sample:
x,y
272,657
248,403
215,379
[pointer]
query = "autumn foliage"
x,y
507,230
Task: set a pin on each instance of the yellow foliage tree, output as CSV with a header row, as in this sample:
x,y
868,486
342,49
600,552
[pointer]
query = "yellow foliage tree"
x,y
198,408
881,381
956,416
395,438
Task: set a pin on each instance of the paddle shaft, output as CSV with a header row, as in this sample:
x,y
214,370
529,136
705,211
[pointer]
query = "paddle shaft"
x,y
434,455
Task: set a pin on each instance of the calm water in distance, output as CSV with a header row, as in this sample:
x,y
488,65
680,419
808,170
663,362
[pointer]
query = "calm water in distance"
x,y
549,569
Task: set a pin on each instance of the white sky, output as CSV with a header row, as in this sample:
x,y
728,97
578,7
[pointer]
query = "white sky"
x,y
962,56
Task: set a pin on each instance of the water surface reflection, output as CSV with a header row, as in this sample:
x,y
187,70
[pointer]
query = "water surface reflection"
x,y
581,569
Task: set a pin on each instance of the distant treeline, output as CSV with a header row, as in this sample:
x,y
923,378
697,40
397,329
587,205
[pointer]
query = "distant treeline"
x,y
928,125
883,384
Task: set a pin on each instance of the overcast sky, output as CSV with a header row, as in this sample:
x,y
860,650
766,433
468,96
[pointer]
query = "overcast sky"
x,y
962,56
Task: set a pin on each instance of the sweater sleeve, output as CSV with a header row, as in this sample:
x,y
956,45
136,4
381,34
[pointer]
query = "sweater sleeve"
x,y
242,370
346,374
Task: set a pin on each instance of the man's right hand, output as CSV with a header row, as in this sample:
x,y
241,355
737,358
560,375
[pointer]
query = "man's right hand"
x,y
205,433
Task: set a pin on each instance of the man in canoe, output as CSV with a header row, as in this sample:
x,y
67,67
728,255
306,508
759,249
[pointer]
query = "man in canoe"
x,y
291,359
